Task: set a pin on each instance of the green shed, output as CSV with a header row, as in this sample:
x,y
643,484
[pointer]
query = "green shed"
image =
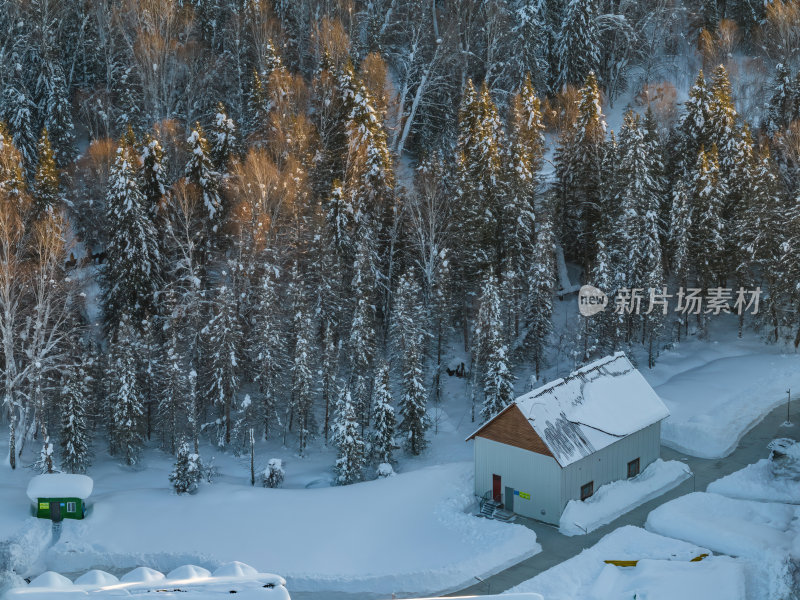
x,y
59,496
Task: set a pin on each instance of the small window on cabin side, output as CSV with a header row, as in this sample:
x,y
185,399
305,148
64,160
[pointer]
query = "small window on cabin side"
x,y
587,490
633,468
71,507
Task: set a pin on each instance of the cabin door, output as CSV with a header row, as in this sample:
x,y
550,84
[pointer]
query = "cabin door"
x,y
55,511
496,488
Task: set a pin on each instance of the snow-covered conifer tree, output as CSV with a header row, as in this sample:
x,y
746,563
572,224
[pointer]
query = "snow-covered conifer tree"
x,y
409,336
681,215
257,108
223,341
130,273
330,367
273,475
781,101
635,235
302,375
154,173
18,109
267,346
347,436
579,163
530,38
480,188
200,171
124,396
761,251
75,433
578,43
707,237
361,344
526,147
498,388
172,387
224,143
186,472
55,109
384,426
694,124
46,186
723,129
541,289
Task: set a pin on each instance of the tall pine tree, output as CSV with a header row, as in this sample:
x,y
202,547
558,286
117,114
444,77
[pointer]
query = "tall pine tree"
x,y
347,437
75,431
579,165
130,273
578,48
124,396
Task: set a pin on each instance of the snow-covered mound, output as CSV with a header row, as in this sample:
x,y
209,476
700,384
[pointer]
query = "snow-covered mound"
x,y
762,534
60,485
51,579
715,577
758,482
717,392
575,578
188,582
235,569
142,575
618,497
96,578
189,572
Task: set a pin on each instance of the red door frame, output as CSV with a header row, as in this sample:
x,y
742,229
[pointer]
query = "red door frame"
x,y
497,488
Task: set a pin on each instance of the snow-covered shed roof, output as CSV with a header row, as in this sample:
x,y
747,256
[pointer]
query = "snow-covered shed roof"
x,y
595,406
60,485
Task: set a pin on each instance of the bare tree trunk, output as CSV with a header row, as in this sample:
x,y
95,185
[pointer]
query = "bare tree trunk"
x,y
193,410
252,458
12,439
227,421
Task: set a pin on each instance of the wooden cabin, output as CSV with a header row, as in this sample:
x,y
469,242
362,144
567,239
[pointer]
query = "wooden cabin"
x,y
58,496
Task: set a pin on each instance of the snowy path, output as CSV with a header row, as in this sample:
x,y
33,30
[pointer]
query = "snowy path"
x,y
557,548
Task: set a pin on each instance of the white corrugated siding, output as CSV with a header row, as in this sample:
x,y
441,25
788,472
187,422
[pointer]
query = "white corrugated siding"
x,y
525,471
611,463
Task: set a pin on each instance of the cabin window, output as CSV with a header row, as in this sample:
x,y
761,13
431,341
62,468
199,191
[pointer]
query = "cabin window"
x,y
71,507
587,490
633,468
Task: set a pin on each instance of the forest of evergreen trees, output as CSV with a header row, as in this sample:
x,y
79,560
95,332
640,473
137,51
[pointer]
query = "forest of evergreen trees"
x,y
281,216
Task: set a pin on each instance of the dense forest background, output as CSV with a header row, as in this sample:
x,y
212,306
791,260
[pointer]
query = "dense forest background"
x,y
220,217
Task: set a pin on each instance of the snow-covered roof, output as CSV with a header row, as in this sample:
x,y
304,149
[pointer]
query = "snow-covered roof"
x,y
595,406
60,485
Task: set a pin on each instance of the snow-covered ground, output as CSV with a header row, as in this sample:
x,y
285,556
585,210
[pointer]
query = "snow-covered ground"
x,y
717,391
762,534
756,482
581,576
616,498
728,525
715,577
412,533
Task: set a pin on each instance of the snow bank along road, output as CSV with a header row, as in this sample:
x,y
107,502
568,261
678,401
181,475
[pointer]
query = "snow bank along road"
x,y
557,548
